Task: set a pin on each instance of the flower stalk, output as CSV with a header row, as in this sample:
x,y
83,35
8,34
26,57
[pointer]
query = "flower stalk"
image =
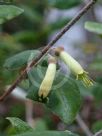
x,y
47,82
74,66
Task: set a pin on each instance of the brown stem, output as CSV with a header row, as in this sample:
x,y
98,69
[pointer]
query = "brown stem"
x,y
47,47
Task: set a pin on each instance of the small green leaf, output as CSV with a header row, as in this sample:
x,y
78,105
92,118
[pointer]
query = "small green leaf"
x,y
94,27
64,4
8,12
19,125
64,99
48,133
21,59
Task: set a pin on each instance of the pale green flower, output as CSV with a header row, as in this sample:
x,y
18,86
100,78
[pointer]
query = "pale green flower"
x,y
47,82
74,66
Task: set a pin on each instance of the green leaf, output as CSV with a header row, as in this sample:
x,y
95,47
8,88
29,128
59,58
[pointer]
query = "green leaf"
x,y
21,59
8,12
97,126
19,125
64,99
94,27
48,133
64,4
23,129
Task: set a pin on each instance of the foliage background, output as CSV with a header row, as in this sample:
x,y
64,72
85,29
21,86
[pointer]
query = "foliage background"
x,y
33,30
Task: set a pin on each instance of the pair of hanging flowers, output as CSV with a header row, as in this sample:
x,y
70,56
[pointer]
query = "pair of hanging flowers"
x,y
73,65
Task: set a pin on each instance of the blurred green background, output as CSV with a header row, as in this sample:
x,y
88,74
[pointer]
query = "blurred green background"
x,y
32,30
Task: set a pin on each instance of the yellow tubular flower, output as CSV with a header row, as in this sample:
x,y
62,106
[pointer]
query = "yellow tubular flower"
x,y
74,66
47,82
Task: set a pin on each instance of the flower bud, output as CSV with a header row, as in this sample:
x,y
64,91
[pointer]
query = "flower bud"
x,y
47,82
74,66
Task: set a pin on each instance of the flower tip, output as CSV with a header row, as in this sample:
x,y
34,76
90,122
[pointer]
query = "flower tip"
x,y
87,81
42,94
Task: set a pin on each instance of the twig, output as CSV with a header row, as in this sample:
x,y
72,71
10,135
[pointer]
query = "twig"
x,y
47,47
83,126
29,112
98,133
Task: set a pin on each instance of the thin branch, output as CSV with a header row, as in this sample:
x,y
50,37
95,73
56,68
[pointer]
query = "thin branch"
x,y
83,126
98,133
47,47
29,112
